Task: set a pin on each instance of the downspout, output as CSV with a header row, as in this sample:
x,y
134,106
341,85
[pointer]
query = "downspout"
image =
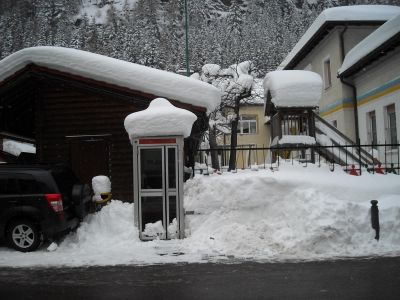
x,y
351,85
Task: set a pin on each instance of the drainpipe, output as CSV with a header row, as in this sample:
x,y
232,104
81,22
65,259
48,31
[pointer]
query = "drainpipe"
x,y
351,85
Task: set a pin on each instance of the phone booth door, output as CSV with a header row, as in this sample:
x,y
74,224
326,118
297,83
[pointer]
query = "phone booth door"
x,y
158,192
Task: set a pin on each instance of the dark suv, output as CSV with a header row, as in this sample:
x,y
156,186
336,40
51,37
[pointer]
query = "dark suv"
x,y
39,202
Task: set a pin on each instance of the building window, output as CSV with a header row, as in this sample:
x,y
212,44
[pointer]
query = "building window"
x,y
327,73
391,130
248,125
371,128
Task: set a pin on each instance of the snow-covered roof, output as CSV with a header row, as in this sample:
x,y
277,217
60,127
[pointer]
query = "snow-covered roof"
x,y
293,88
341,14
161,118
371,43
257,93
114,71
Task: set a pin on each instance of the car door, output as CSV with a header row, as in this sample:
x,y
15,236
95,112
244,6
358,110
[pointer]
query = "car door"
x,y
9,196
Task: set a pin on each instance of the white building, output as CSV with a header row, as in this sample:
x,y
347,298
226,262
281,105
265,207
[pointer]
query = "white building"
x,y
373,67
323,48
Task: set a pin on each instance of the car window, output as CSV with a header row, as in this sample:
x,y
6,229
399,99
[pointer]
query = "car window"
x,y
65,180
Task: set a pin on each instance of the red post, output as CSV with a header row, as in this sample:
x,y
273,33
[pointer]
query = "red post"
x,y
353,171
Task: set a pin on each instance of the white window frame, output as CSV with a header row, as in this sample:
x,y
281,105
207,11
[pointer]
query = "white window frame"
x,y
390,110
327,73
372,136
249,122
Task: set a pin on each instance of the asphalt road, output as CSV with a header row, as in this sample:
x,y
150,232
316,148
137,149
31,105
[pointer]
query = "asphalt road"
x,y
347,279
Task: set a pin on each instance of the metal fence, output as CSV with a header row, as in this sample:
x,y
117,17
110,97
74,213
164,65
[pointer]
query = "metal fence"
x,y
355,159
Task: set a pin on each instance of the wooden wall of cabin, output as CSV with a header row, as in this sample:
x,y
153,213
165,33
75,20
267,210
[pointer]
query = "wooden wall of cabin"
x,y
62,113
67,116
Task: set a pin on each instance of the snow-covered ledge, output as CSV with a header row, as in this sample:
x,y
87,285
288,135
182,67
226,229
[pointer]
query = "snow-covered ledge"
x,y
294,140
161,118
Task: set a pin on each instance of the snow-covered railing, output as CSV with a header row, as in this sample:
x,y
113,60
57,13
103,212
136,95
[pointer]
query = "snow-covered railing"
x,y
386,157
327,134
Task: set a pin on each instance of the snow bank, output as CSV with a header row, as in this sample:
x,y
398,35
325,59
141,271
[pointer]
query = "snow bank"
x,y
371,43
293,213
15,148
114,71
161,118
342,14
293,88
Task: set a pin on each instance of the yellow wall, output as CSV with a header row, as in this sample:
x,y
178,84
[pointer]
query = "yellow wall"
x,y
260,139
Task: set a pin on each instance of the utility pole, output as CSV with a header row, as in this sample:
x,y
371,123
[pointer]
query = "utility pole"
x,y
187,39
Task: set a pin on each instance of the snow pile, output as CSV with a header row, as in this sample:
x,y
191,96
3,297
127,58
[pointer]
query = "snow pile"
x,y
371,43
294,213
160,118
344,14
294,88
114,71
100,184
15,148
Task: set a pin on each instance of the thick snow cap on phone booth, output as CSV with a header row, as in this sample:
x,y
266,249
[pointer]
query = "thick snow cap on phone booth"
x,y
161,118
293,88
114,71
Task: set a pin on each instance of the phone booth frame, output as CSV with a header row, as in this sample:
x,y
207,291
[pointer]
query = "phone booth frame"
x,y
148,191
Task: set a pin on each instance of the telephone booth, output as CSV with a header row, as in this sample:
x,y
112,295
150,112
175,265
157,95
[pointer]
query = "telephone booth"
x,y
157,136
158,187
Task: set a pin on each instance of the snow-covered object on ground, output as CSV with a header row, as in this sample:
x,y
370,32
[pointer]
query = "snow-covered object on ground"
x,y
294,140
293,88
342,14
114,71
161,118
15,148
371,43
295,213
100,184
153,229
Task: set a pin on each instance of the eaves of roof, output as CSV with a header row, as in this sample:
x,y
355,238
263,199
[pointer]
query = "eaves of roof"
x,y
374,55
319,36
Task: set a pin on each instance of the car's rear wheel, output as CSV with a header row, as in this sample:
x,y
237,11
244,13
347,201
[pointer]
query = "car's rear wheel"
x,y
23,235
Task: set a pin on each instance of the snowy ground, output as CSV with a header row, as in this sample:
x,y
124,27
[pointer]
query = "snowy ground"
x,y
294,213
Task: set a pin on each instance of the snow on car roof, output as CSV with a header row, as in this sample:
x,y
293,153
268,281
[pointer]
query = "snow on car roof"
x,y
371,43
343,14
114,71
293,88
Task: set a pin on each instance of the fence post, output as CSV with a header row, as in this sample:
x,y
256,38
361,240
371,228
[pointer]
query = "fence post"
x,y
375,218
398,158
359,156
